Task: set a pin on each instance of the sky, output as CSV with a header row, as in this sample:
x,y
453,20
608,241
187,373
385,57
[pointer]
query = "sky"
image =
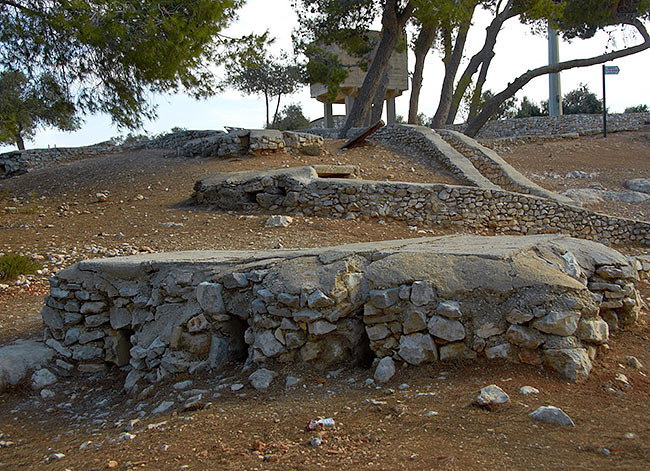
x,y
517,50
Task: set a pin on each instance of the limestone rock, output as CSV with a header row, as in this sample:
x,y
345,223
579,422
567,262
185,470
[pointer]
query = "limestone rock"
x,y
552,415
262,378
42,378
413,321
417,349
19,358
528,390
593,331
446,329
572,363
492,395
558,322
524,337
385,370
422,293
639,184
268,344
449,309
209,297
456,351
278,221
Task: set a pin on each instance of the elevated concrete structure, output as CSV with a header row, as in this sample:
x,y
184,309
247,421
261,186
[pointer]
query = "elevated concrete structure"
x,y
397,83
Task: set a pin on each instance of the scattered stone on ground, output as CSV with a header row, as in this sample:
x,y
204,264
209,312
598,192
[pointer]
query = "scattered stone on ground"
x,y
552,415
491,395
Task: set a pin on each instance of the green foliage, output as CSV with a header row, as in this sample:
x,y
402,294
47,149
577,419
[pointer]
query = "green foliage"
x,y
507,109
291,117
637,109
581,101
110,55
529,108
13,265
254,71
27,105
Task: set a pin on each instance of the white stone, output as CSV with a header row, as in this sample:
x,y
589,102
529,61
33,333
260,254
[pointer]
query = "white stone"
x,y
449,309
20,357
528,390
446,329
385,370
163,407
279,221
417,349
42,378
492,394
209,297
552,415
262,378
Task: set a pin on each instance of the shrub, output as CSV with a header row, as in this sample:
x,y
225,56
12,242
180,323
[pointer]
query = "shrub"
x,y
13,265
637,109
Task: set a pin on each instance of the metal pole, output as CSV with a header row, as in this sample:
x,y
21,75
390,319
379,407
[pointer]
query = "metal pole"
x,y
604,106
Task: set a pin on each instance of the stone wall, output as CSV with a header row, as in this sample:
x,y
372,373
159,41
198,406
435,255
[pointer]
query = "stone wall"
x,y
300,191
248,140
497,170
547,300
583,124
21,161
424,141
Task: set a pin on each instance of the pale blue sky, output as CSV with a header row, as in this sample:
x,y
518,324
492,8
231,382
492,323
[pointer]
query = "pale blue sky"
x,y
517,50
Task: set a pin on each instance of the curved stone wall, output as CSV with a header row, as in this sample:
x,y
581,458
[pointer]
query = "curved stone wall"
x,y
540,300
301,191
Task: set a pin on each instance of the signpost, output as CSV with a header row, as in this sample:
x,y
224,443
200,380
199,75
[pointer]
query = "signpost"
x,y
607,70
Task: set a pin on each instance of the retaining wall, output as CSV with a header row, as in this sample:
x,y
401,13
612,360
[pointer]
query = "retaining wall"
x,y
301,191
539,300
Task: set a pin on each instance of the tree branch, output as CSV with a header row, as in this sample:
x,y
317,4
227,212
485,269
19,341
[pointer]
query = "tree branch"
x,y
475,125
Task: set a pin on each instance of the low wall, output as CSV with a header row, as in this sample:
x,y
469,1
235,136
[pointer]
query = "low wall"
x,y
583,124
248,140
497,170
547,300
301,191
425,141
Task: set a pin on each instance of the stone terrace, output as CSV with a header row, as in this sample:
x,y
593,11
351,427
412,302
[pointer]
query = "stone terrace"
x,y
539,299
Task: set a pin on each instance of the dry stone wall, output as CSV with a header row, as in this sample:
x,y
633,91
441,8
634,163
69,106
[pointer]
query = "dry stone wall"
x,y
549,300
301,191
583,124
497,170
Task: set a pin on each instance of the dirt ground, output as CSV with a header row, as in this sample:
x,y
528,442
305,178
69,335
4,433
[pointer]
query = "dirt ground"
x,y
55,215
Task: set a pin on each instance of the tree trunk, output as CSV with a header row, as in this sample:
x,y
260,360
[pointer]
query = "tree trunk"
x,y
477,93
451,69
277,109
475,125
393,23
484,55
20,143
380,96
266,99
422,46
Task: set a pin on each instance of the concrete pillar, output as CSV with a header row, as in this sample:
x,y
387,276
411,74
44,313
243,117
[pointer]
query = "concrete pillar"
x,y
554,88
329,116
391,116
349,102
